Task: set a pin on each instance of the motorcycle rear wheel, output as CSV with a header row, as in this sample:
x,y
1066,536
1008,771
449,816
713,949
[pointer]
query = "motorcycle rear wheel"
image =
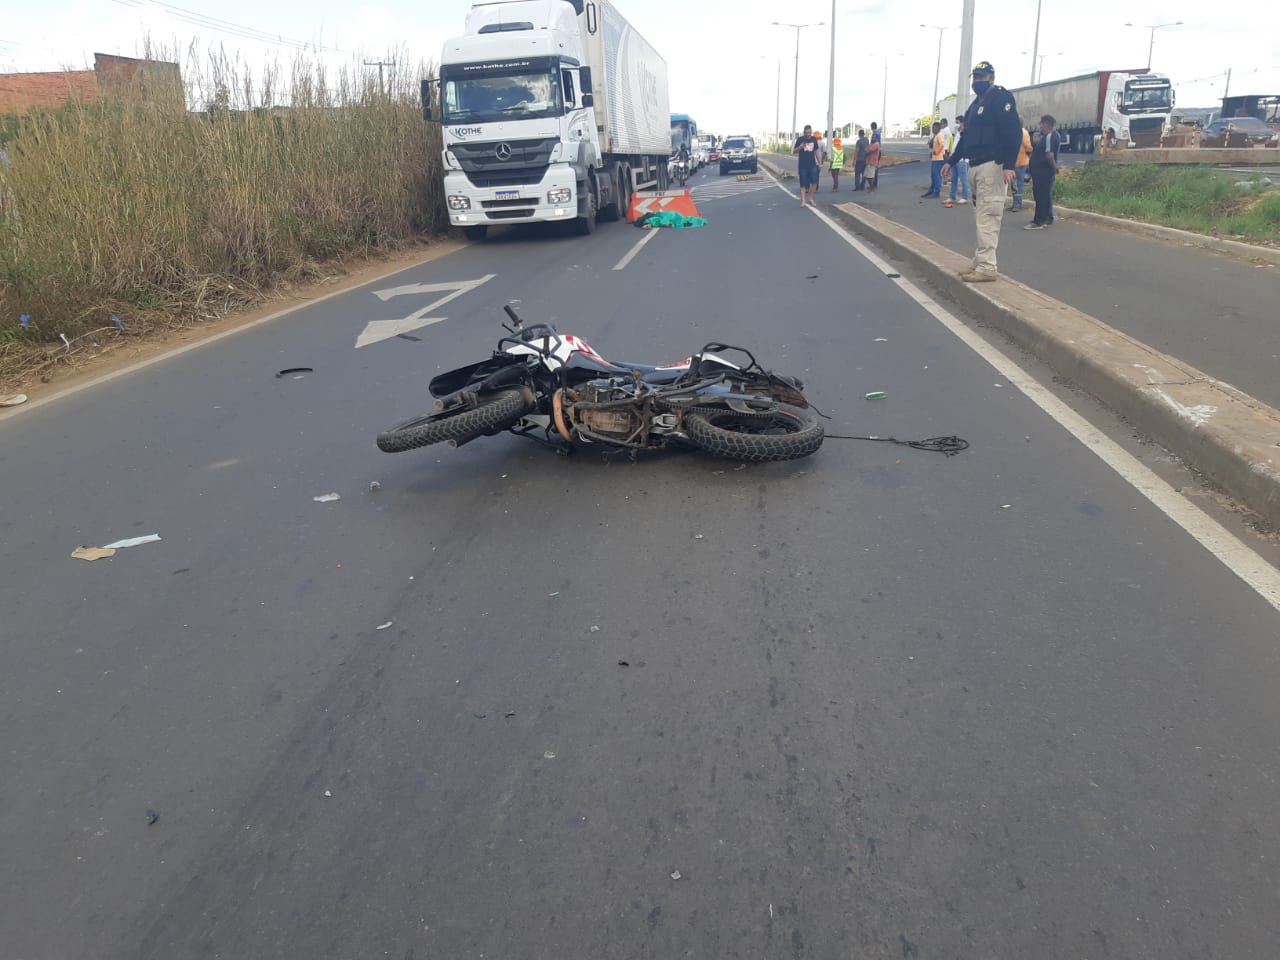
x,y
495,412
784,433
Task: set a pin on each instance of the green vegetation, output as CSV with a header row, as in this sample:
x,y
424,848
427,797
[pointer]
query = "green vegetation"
x,y
1200,199
159,214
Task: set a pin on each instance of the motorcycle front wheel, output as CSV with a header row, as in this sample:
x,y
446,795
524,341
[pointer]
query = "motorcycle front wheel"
x,y
495,412
783,433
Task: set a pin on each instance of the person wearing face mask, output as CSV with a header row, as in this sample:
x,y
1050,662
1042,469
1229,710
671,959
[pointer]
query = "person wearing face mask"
x,y
992,138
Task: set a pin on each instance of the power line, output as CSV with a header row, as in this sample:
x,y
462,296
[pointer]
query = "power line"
x,y
229,27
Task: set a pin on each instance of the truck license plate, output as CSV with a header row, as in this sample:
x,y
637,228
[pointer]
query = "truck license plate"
x,y
508,194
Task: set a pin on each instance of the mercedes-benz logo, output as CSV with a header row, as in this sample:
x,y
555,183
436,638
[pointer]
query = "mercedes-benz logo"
x,y
502,151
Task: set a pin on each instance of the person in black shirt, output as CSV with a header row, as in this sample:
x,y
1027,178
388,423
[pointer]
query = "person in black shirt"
x,y
992,137
807,147
1044,170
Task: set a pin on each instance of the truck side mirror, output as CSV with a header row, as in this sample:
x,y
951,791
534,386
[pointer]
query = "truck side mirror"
x,y
588,100
426,100
584,79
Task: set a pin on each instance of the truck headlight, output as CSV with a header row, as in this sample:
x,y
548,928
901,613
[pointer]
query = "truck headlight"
x,y
561,195
459,203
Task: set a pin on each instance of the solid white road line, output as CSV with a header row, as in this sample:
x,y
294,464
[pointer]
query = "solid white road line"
x,y
1235,555
630,254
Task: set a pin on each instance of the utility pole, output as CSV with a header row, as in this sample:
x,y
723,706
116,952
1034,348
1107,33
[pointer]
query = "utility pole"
x,y
1226,91
963,93
1035,44
831,82
777,106
380,64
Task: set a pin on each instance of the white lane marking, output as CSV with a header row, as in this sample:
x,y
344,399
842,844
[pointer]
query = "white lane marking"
x,y
630,254
376,330
1235,555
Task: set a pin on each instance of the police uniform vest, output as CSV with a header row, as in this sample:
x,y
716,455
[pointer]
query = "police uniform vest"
x,y
987,123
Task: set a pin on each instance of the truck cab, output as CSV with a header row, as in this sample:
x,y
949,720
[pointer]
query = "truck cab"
x,y
518,119
550,110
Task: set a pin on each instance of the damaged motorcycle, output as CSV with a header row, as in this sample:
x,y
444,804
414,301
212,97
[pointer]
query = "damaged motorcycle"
x,y
539,381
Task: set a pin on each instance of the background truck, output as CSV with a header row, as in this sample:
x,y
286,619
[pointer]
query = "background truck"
x,y
550,110
1134,103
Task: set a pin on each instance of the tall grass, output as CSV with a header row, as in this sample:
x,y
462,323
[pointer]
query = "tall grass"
x,y
154,209
1201,199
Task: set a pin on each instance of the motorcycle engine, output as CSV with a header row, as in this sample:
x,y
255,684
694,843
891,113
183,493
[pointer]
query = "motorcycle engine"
x,y
589,416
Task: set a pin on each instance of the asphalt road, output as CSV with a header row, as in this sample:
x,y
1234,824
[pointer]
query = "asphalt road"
x,y
878,703
1213,311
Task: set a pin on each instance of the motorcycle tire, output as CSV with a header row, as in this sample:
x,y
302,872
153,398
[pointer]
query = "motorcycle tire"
x,y
495,412
784,433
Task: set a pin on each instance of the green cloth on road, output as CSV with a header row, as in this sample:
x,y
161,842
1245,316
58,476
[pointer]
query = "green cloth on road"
x,y
669,218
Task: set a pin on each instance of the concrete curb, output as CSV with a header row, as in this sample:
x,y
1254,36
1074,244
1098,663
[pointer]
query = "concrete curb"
x,y
1232,248
1224,433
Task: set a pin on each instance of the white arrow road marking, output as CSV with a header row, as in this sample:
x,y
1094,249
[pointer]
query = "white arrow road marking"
x,y
376,330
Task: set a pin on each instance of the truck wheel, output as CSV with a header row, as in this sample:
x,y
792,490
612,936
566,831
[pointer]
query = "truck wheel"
x,y
476,234
587,222
613,210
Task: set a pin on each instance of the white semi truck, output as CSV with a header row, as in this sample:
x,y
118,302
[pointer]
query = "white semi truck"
x,y
1134,103
551,110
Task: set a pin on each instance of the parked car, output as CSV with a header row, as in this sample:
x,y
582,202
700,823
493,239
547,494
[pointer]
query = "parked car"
x,y
1242,131
738,153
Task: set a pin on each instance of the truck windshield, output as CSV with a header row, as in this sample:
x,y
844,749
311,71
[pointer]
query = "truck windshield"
x,y
501,96
1146,99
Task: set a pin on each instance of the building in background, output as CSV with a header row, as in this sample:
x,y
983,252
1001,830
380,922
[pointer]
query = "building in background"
x,y
111,76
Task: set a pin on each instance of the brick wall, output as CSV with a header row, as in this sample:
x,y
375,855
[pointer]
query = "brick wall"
x,y
112,76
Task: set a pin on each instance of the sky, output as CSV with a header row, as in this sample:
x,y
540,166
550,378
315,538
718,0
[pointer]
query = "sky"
x,y
728,66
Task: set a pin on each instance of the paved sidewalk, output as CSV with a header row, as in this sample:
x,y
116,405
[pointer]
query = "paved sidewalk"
x,y
1217,313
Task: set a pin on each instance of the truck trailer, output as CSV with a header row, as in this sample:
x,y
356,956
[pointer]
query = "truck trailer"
x,y
551,110
1133,103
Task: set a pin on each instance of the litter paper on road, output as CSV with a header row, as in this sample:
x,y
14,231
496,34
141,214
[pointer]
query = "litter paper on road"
x,y
327,498
132,542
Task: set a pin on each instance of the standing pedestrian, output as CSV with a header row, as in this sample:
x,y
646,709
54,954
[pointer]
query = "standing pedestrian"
x,y
837,162
960,175
990,144
1044,171
873,165
937,160
860,160
1020,170
875,132
806,146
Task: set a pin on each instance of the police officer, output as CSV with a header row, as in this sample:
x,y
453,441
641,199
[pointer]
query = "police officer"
x,y
992,138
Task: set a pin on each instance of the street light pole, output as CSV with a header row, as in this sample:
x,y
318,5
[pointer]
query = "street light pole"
x,y
1153,27
937,71
777,105
795,95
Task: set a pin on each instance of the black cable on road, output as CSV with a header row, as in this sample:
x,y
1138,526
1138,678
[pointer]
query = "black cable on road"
x,y
947,446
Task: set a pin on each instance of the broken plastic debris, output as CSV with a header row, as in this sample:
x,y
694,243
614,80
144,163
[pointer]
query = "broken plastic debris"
x,y
328,793
549,755
675,874
374,486
383,626
876,395
1005,506
623,663
13,400
509,714
152,817
554,593
594,628
327,498
132,542
92,553
698,536
289,370
881,340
